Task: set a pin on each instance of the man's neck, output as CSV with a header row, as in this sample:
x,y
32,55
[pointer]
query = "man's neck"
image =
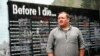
x,y
66,27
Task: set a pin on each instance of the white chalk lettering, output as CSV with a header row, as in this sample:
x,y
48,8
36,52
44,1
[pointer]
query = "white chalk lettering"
x,y
23,10
46,12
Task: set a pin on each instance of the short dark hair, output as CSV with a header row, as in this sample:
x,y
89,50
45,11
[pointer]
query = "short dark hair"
x,y
67,14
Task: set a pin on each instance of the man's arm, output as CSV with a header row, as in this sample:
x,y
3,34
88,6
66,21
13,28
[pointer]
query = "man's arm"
x,y
50,44
82,52
82,44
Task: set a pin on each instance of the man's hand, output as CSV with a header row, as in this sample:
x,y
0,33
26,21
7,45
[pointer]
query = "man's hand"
x,y
50,54
82,52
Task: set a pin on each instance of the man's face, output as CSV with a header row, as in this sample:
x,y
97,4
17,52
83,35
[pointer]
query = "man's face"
x,y
63,20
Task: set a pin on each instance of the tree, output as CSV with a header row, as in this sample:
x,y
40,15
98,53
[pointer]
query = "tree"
x,y
68,3
91,4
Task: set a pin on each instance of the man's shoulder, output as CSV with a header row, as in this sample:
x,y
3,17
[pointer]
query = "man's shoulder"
x,y
54,29
74,28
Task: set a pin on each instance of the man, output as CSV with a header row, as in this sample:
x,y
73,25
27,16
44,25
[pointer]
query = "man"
x,y
65,40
